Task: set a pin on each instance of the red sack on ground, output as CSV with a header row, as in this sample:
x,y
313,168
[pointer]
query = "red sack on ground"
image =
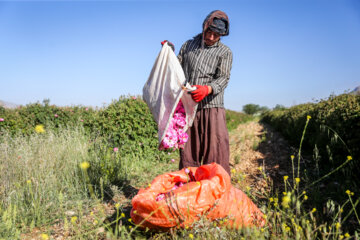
x,y
180,198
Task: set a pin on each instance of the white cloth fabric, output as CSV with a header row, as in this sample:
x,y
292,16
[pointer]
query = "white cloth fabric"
x,y
164,89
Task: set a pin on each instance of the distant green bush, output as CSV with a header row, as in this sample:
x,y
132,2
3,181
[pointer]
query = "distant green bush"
x,y
252,109
332,120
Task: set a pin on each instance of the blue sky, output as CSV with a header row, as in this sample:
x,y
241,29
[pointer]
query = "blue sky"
x,y
90,52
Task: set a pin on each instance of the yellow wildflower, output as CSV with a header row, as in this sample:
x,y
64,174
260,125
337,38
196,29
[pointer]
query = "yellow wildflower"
x,y
117,205
287,229
313,210
191,236
84,165
284,193
130,227
96,222
39,128
73,219
135,212
44,236
262,229
122,215
297,180
348,192
198,183
307,221
286,178
337,225
129,219
341,210
305,197
292,157
233,170
248,188
349,158
91,213
149,185
308,117
28,181
271,199
347,235
285,201
304,192
341,237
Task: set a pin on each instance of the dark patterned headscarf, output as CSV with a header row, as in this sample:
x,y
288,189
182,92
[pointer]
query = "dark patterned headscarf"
x,y
216,21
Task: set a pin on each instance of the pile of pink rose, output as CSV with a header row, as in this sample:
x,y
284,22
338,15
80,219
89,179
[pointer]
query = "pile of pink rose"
x,y
175,136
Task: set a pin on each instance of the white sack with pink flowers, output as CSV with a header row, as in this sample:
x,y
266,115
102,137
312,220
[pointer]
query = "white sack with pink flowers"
x,y
164,94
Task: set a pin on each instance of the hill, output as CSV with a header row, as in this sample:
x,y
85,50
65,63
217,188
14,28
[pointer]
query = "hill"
x,y
8,105
356,91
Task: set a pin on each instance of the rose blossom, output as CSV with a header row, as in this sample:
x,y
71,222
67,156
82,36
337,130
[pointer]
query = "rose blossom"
x,y
175,137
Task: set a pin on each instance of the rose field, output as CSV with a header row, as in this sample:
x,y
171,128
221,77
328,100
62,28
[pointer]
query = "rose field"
x,y
71,172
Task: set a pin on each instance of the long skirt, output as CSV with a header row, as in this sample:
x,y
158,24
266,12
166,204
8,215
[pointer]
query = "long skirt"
x,y
208,140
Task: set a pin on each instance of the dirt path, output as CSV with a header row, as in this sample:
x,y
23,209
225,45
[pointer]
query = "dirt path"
x,y
257,151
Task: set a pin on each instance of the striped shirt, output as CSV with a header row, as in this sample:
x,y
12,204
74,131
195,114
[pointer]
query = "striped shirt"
x,y
208,66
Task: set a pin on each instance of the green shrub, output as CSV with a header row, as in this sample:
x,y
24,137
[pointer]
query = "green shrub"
x,y
334,130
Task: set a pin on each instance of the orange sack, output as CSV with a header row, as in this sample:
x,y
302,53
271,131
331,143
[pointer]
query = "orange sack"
x,y
180,198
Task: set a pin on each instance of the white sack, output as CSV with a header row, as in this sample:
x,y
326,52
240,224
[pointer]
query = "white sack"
x,y
164,89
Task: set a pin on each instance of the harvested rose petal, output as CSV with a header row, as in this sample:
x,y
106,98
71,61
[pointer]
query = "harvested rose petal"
x,y
183,138
160,197
181,122
175,137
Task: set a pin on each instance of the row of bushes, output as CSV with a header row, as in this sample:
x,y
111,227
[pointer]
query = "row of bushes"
x,y
122,123
126,123
333,130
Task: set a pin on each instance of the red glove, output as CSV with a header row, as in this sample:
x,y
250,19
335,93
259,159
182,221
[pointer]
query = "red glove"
x,y
200,93
169,43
